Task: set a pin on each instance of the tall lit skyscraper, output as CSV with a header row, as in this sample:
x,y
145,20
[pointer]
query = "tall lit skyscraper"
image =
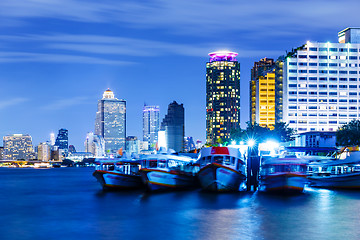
x,y
222,96
174,126
151,125
62,140
18,146
321,84
44,151
110,121
258,70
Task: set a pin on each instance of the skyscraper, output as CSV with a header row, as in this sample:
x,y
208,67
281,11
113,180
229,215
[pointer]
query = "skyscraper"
x,y
222,96
321,84
110,121
151,125
18,146
174,126
62,140
264,65
44,151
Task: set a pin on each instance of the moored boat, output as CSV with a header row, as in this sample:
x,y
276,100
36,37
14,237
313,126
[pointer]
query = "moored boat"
x,y
287,174
222,169
168,171
118,174
336,173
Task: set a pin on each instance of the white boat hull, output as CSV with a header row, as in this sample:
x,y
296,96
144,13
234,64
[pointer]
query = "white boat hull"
x,y
219,178
283,183
113,180
162,180
351,180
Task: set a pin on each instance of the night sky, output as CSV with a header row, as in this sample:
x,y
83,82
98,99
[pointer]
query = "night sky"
x,y
57,57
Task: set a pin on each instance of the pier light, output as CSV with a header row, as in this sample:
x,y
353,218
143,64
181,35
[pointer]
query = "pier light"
x,y
233,142
241,142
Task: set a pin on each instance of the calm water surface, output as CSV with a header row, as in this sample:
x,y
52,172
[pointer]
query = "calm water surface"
x,y
68,203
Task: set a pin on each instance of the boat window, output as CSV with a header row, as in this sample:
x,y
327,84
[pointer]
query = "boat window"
x,y
218,159
161,164
227,160
152,163
232,160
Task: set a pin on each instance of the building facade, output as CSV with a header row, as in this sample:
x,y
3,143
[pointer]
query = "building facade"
x,y
18,147
151,125
44,151
265,99
110,122
264,65
62,140
174,126
222,96
132,145
321,85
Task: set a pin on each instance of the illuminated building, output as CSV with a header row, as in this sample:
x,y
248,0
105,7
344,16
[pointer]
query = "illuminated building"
x,y
72,149
94,144
44,151
62,140
279,64
18,146
110,121
1,153
321,84
265,99
222,96
258,70
174,126
52,139
132,145
151,125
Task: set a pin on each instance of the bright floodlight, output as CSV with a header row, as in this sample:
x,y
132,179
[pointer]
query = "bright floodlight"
x,y
251,142
233,142
241,142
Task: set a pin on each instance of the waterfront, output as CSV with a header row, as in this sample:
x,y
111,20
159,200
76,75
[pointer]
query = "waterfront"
x,y
68,203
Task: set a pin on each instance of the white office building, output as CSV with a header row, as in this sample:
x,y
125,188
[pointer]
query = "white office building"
x,y
321,84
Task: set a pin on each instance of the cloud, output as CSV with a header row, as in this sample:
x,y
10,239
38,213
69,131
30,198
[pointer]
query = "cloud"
x,y
12,102
66,103
13,57
198,17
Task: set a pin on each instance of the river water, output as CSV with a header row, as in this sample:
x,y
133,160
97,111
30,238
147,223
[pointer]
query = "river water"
x,y
68,203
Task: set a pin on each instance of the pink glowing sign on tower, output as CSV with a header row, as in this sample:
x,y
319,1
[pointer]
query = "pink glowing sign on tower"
x,y
223,56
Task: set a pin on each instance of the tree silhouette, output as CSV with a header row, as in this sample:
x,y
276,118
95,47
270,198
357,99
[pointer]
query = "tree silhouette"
x,y
349,134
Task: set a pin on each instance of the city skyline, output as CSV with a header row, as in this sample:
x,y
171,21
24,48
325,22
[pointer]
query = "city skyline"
x,y
55,63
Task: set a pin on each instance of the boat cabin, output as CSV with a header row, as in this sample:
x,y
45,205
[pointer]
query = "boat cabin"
x,y
166,163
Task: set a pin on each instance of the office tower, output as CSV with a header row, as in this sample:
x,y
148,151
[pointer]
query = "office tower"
x,y
222,96
52,139
18,147
44,151
132,145
279,64
72,149
265,99
349,35
62,140
264,65
321,84
110,121
151,125
174,126
189,144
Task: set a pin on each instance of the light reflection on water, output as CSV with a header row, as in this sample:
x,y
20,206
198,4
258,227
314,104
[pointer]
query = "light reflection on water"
x,y
69,204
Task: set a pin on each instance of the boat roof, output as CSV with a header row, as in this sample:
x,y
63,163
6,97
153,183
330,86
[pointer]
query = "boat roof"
x,y
220,151
291,160
335,162
168,157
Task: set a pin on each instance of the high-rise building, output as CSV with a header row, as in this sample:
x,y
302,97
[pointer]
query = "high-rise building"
x,y
265,99
62,140
52,139
132,145
44,151
321,84
110,121
18,146
151,125
222,96
174,126
279,64
264,65
1,153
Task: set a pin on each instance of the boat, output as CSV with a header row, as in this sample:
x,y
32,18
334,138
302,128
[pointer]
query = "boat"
x,y
165,171
118,174
336,173
222,169
284,173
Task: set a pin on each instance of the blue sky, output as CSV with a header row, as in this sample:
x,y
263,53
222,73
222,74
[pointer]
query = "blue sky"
x,y
58,56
